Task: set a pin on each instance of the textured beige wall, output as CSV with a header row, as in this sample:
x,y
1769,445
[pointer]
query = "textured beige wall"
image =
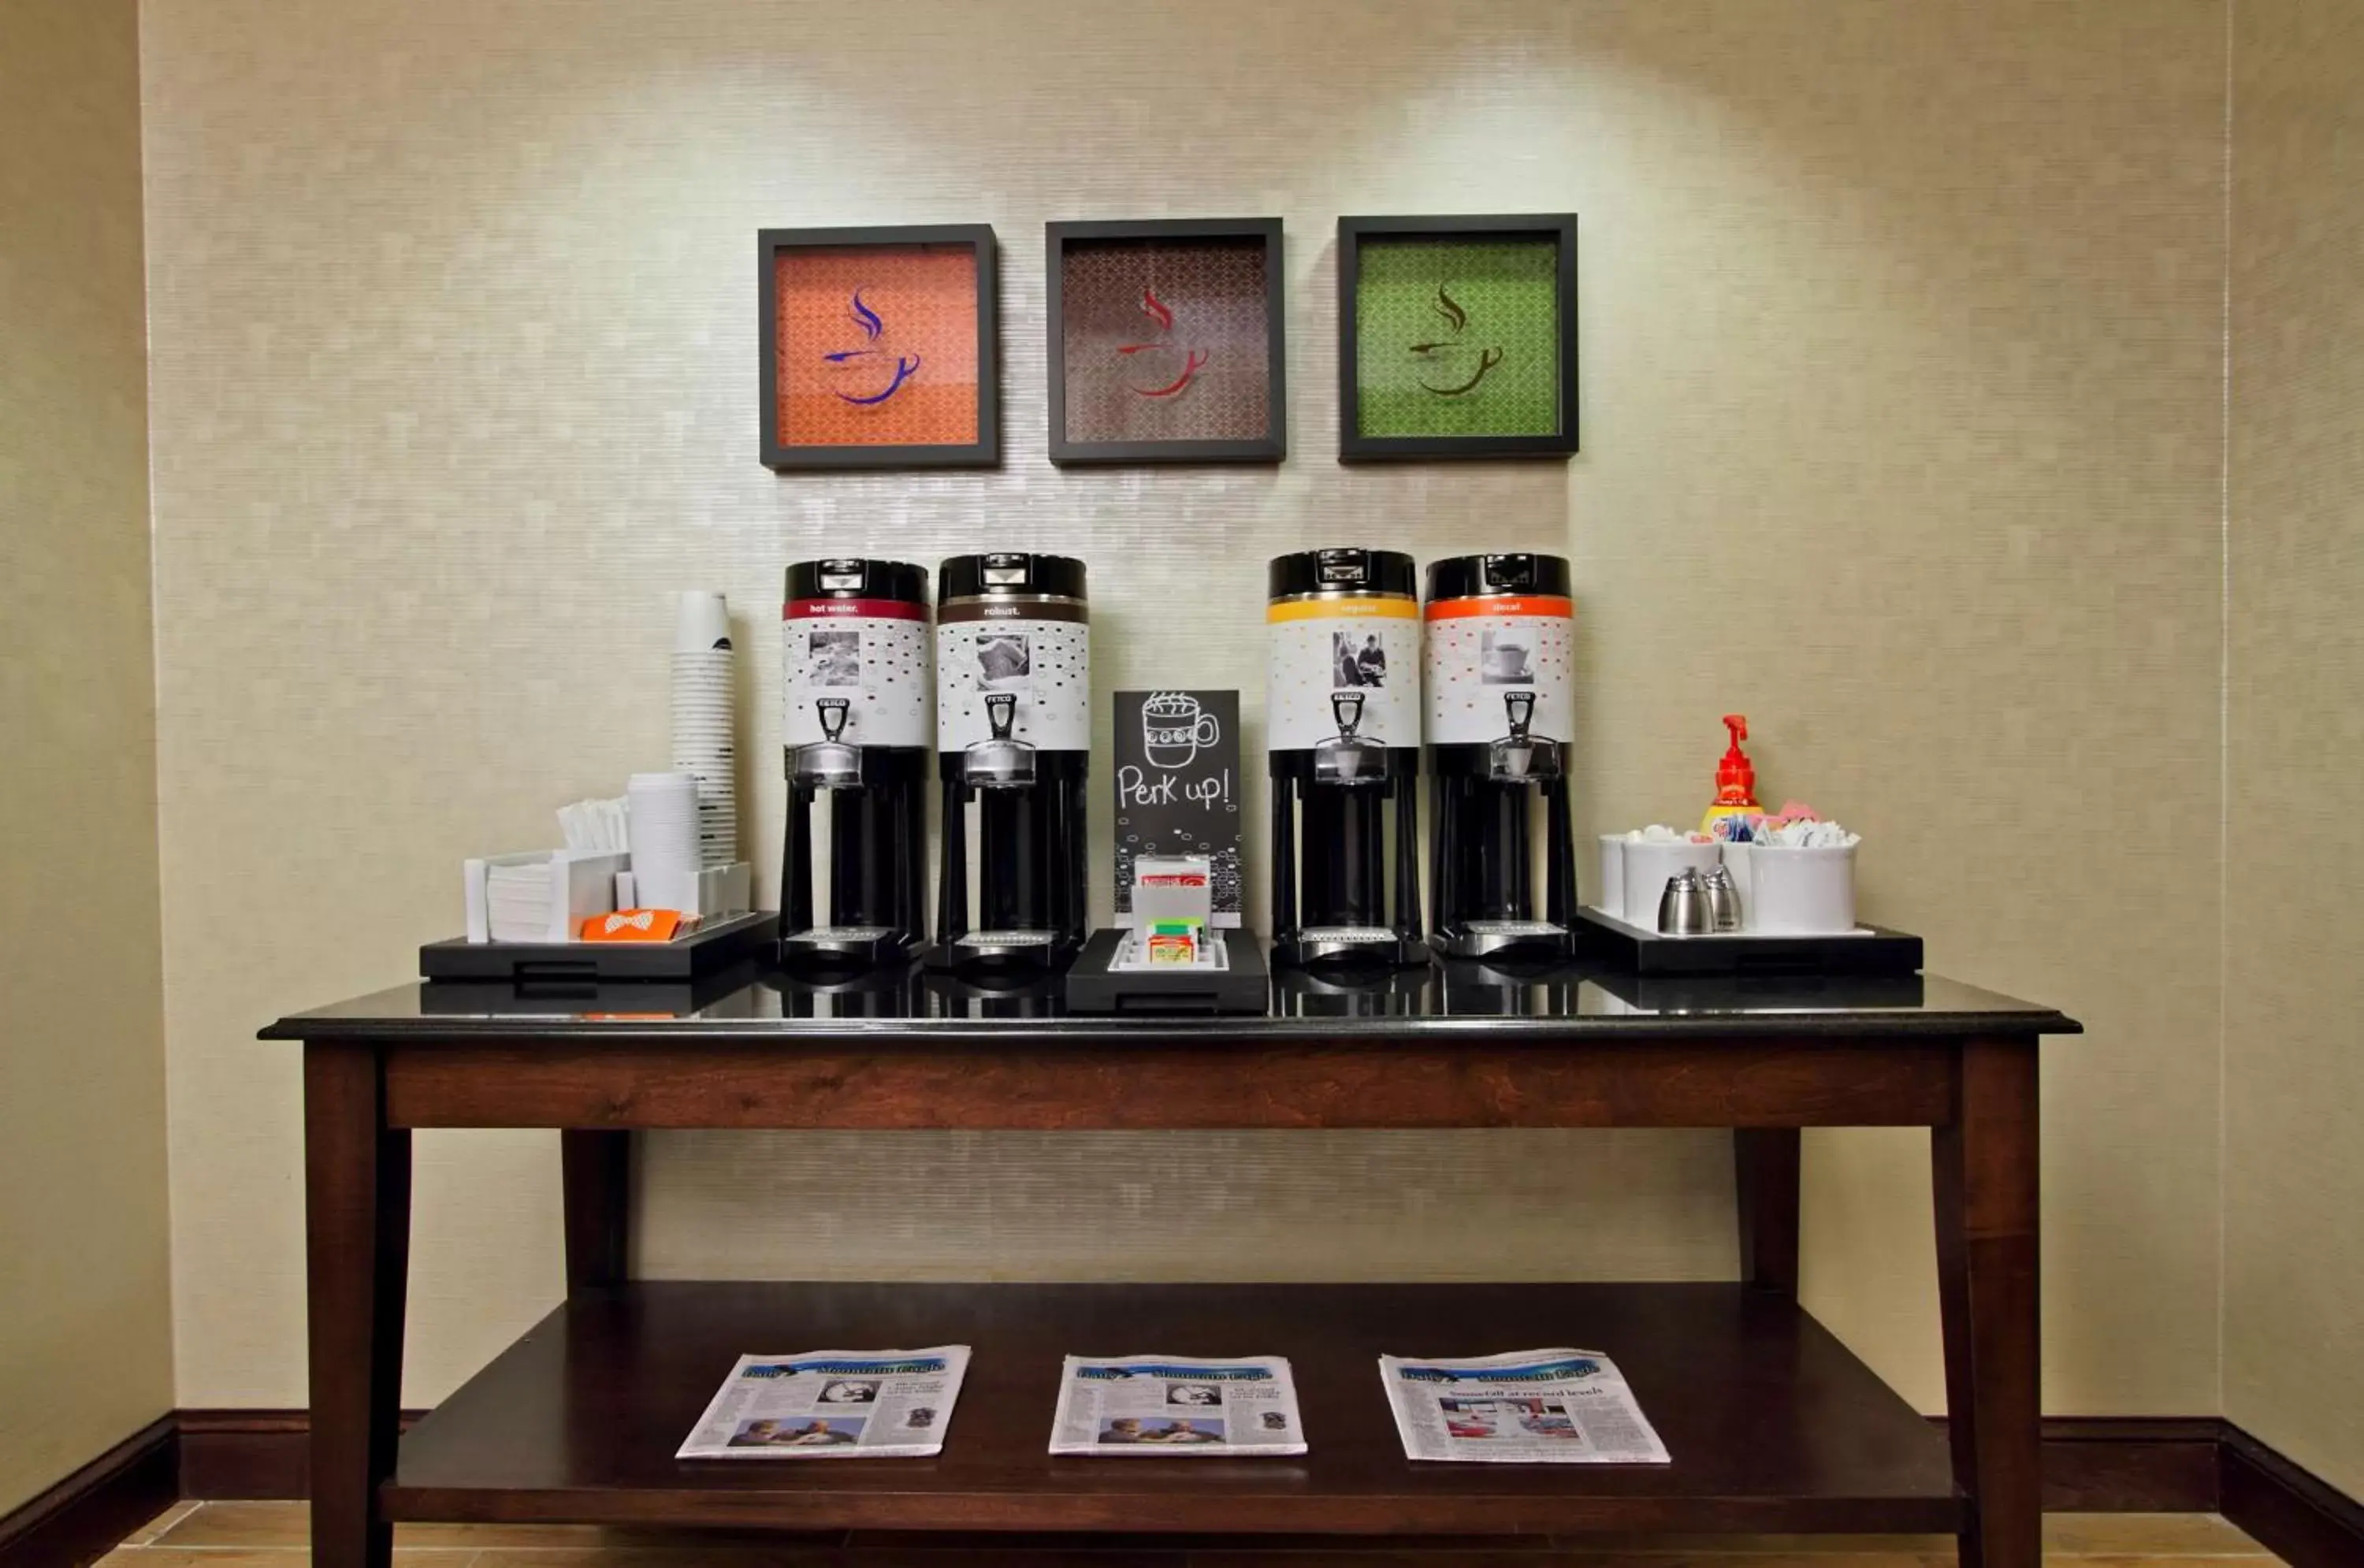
x,y
1902,369
2294,1045
85,1320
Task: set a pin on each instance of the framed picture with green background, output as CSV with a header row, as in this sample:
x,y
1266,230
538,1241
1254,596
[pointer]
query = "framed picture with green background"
x,y
1457,336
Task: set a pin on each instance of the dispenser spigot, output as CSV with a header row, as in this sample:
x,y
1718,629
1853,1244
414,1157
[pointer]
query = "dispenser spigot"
x,y
1520,707
1522,756
829,762
999,761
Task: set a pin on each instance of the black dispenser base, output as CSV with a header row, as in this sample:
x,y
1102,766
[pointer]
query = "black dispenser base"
x,y
980,954
1312,951
1241,985
846,949
1507,941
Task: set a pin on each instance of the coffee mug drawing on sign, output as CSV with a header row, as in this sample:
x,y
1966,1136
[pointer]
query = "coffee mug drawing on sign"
x,y
1173,727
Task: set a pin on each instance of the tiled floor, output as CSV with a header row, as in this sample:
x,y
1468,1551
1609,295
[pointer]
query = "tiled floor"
x,y
272,1535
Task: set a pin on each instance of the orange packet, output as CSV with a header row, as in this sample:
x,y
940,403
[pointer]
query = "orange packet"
x,y
632,926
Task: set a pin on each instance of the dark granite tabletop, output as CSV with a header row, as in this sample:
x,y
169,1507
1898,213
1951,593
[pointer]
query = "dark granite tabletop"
x,y
1583,1000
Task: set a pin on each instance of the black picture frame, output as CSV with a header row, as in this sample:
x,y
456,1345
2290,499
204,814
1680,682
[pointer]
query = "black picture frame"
x,y
983,452
1355,447
1272,446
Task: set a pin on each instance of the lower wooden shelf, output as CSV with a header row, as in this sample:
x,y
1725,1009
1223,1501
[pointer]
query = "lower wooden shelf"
x,y
1773,1425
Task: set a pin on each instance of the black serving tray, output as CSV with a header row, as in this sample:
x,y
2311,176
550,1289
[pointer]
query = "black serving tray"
x,y
572,998
1245,986
1884,951
693,957
1704,994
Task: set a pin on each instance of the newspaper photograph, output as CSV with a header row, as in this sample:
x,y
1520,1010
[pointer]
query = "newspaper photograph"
x,y
832,1404
1556,1406
1160,1404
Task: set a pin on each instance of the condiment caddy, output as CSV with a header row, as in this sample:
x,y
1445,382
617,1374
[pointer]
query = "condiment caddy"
x,y
1749,892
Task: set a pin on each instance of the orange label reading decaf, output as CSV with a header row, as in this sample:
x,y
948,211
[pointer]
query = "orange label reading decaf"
x,y
1550,604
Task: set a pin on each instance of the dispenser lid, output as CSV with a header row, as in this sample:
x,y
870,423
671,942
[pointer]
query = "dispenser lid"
x,y
845,577
1478,576
1310,572
1008,572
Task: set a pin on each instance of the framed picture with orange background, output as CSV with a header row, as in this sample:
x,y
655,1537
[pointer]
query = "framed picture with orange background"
x,y
1168,342
881,347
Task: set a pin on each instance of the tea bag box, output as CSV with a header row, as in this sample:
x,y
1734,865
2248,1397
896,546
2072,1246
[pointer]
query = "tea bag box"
x,y
1501,706
1342,707
1013,744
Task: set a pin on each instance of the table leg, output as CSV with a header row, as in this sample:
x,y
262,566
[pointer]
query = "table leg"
x,y
1985,1170
1765,1189
597,1172
357,1221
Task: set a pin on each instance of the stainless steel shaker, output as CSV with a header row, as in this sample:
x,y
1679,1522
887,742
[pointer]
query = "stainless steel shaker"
x,y
1723,900
1683,909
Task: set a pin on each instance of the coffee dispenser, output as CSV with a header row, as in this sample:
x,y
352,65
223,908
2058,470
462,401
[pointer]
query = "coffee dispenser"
x,y
1501,704
855,671
1341,709
1013,736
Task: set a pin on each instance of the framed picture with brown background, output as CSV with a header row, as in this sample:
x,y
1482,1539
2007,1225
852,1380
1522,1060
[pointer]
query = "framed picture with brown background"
x,y
1456,337
880,347
1166,342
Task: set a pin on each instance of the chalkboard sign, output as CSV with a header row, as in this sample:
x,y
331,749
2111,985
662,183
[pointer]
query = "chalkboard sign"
x,y
1177,787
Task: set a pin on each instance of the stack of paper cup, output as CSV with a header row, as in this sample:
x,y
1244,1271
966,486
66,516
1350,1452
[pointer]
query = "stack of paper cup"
x,y
703,745
663,810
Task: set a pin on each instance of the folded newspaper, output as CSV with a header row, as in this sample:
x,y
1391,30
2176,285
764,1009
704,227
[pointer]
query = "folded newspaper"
x,y
1526,1407
832,1404
1172,1405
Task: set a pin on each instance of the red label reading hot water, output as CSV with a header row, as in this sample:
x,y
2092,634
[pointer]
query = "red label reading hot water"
x,y
874,609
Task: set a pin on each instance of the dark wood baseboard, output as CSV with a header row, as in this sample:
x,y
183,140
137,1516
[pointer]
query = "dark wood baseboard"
x,y
2092,1464
2296,1514
82,1517
236,1455
2111,1464
262,1455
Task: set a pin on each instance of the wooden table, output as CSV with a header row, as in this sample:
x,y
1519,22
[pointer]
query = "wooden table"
x,y
1773,1425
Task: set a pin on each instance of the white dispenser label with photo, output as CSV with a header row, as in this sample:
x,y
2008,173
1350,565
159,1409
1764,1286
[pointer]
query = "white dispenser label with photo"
x,y
870,653
1482,651
1320,647
1046,663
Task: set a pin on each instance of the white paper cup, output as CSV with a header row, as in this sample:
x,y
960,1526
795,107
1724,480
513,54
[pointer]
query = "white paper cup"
x,y
701,621
1612,875
1802,892
1650,867
663,809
